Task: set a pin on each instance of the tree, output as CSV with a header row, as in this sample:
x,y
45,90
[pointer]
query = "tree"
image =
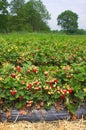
x,y
3,15
29,16
3,6
68,21
15,5
81,31
35,13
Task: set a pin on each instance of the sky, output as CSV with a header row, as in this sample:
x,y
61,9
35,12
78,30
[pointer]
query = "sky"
x,y
56,7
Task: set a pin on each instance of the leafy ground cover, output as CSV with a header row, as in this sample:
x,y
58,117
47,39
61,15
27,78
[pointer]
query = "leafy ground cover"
x,y
41,70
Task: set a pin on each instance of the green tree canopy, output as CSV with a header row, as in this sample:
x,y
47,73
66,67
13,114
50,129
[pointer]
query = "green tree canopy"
x,y
15,5
3,15
35,13
68,21
32,15
3,6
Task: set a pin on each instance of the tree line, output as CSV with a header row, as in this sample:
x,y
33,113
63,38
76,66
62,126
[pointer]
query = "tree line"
x,y
18,15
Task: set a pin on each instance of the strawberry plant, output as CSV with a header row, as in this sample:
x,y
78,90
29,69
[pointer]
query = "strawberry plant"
x,y
40,71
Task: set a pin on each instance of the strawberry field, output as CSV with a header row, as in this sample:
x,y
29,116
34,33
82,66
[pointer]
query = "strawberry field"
x,y
41,70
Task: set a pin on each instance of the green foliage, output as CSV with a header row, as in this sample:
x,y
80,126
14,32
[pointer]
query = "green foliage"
x,y
81,31
40,67
15,5
30,16
3,6
3,15
68,21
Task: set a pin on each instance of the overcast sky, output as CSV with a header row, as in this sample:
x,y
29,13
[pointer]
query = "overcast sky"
x,y
55,7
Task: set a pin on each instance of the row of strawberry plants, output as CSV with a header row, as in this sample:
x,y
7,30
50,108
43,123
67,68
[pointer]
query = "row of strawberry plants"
x,y
31,83
42,71
44,54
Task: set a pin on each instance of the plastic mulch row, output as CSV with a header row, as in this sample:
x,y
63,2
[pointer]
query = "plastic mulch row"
x,y
48,115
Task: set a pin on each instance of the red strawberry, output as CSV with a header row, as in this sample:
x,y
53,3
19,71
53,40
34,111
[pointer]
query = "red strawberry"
x,y
64,91
28,71
29,102
18,68
13,75
62,96
55,80
32,54
46,73
50,88
37,88
65,68
70,90
51,82
13,92
20,98
47,82
34,70
23,83
29,86
37,83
